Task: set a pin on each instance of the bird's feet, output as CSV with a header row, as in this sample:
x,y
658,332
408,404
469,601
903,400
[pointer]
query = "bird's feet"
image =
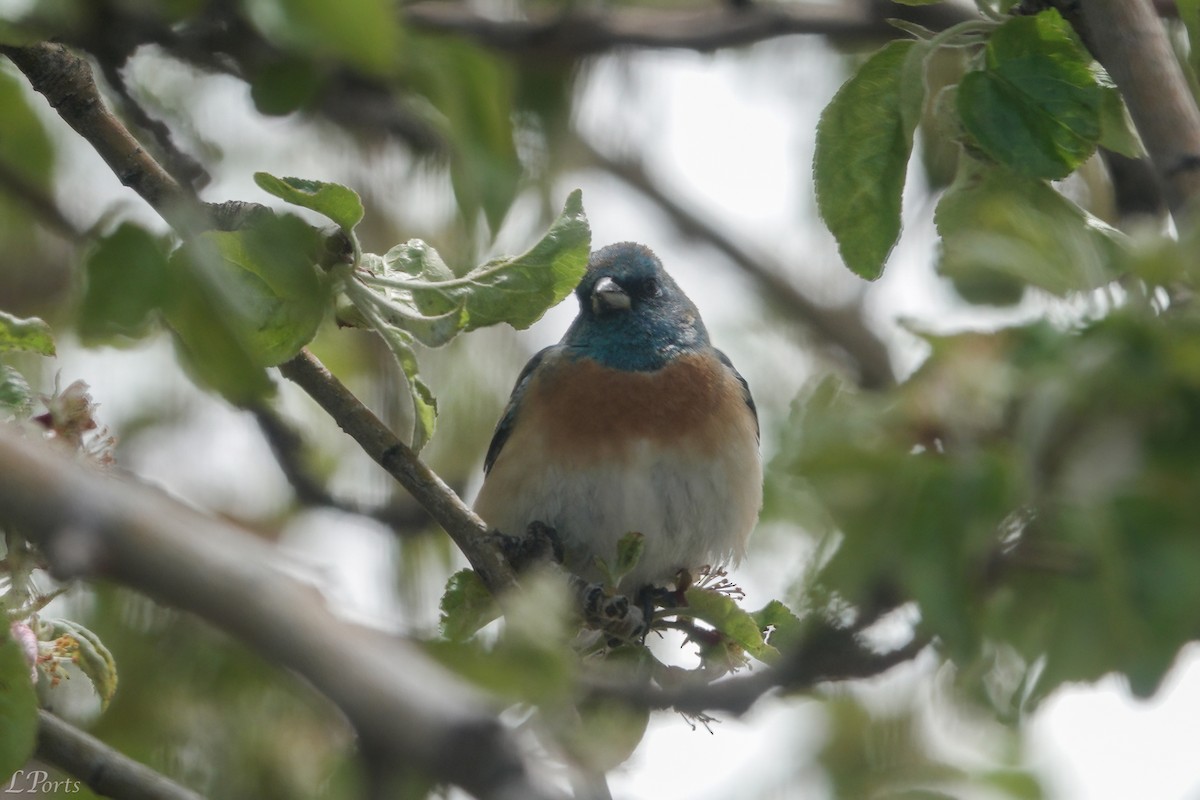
x,y
539,544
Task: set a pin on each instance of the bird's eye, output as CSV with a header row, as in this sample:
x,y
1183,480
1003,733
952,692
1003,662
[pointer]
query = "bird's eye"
x,y
650,288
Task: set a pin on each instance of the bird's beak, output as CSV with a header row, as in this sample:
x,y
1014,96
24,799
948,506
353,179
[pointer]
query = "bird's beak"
x,y
608,296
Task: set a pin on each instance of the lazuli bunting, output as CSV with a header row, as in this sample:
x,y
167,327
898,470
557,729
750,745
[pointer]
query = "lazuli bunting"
x,y
633,422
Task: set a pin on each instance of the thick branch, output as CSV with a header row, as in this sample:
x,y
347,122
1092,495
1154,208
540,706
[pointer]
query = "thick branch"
x,y
467,530
1128,38
403,705
104,770
841,329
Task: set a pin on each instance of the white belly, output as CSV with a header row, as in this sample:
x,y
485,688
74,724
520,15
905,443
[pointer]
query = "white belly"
x,y
692,511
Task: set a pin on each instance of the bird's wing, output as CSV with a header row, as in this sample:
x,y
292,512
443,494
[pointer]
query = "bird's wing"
x,y
745,388
508,419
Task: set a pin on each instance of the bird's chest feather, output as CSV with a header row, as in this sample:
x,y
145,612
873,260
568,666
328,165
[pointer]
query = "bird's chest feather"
x,y
598,452
587,412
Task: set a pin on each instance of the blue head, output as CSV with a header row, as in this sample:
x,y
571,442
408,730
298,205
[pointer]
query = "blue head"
x,y
631,314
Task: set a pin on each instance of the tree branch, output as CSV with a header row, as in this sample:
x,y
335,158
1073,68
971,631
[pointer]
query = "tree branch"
x,y
827,655
39,202
66,81
104,770
404,518
467,530
403,705
185,169
582,31
1128,38
839,329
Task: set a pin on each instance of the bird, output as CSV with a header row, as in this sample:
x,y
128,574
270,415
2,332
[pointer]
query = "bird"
x,y
633,422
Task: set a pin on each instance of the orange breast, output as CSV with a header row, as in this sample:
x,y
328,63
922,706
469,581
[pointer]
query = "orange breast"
x,y
587,411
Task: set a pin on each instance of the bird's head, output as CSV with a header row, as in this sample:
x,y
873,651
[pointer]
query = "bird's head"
x,y
631,314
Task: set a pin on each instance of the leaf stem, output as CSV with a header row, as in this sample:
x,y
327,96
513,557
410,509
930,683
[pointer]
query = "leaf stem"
x,y
372,279
971,27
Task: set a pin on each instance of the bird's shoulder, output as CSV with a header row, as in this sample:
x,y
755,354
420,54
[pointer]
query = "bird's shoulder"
x,y
747,397
508,418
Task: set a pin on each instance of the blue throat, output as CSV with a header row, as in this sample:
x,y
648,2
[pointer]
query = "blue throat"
x,y
634,342
649,322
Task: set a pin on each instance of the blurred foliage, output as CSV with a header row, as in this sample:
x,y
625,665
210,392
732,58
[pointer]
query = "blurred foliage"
x,y
18,704
236,727
1026,487
1029,487
886,755
28,272
1029,491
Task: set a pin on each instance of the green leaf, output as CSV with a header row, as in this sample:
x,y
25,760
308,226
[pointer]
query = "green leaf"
x,y
1001,232
864,139
1014,783
607,733
1189,14
1036,105
629,552
780,627
516,290
25,148
125,284
433,324
340,203
25,335
265,279
18,705
14,34
363,33
531,659
720,611
209,342
466,606
474,92
410,296
1116,127
400,342
15,395
285,84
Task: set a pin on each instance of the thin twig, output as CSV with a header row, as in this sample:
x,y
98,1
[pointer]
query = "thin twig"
x,y
185,169
66,81
104,770
467,530
34,199
827,655
404,518
843,329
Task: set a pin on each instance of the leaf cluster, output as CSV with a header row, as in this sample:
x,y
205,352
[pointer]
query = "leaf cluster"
x,y
239,301
1028,106
1027,488
544,655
